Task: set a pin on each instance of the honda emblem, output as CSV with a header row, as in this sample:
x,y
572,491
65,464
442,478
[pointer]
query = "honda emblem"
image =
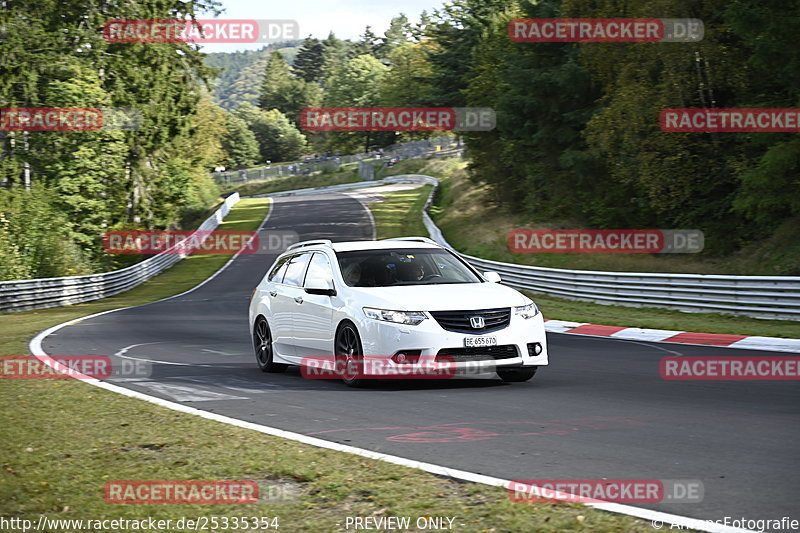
x,y
477,322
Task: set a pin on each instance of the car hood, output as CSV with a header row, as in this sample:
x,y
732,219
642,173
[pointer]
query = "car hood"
x,y
445,297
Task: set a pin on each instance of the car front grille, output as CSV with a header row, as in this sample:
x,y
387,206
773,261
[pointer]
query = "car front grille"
x,y
487,353
459,321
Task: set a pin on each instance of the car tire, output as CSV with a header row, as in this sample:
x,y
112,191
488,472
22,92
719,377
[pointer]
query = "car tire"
x,y
262,344
516,375
349,355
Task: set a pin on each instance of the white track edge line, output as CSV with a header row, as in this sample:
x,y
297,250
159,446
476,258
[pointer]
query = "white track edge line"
x,y
369,214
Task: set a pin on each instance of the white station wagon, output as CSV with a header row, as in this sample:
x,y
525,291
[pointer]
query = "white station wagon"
x,y
405,301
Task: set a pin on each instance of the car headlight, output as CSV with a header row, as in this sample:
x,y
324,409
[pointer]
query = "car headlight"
x,y
411,318
527,311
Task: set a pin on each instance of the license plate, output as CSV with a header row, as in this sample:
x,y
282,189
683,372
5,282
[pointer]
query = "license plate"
x,y
480,342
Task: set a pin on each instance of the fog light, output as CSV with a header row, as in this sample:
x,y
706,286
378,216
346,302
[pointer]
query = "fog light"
x,y
407,357
534,349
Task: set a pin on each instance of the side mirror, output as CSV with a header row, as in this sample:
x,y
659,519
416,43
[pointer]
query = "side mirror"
x,y
320,286
494,277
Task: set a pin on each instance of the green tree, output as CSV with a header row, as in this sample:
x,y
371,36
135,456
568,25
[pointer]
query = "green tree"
x,y
282,141
769,189
35,237
457,29
679,179
185,188
309,61
399,33
368,44
277,78
240,74
85,168
54,56
409,80
357,84
420,30
278,138
282,91
536,159
334,56
239,143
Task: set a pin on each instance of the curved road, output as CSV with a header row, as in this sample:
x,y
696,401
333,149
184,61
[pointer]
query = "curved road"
x,y
600,410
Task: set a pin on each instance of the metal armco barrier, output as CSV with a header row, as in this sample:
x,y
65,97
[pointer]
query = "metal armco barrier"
x,y
42,293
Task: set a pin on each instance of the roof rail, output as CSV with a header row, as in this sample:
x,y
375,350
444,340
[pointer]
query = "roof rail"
x,y
303,244
414,239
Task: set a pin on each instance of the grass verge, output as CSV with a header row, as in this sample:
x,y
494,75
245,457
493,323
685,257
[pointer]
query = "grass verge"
x,y
62,440
400,213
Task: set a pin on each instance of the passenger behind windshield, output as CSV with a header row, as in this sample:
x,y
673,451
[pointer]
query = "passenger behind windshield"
x,y
385,268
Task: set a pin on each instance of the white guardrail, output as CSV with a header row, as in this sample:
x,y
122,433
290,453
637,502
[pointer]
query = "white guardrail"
x,y
42,293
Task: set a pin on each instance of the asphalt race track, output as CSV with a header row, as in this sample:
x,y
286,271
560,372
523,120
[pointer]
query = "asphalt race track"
x,y
600,410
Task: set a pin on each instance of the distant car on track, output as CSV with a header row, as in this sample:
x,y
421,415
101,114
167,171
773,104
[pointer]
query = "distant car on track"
x,y
407,301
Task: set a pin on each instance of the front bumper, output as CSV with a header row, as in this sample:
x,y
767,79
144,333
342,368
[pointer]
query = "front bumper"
x,y
385,339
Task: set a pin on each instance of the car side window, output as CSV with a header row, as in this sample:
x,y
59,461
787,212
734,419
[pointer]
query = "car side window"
x,y
296,270
319,269
277,272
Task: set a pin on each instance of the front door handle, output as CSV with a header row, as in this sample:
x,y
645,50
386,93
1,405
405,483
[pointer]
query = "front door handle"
x,y
273,293
298,299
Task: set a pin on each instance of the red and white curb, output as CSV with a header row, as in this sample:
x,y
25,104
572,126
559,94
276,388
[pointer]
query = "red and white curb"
x,y
773,344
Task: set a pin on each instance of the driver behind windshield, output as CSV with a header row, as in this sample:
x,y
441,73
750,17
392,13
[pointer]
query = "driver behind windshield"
x,y
411,271
403,266
352,274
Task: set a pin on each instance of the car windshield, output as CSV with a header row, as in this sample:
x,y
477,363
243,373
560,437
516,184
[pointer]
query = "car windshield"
x,y
414,266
